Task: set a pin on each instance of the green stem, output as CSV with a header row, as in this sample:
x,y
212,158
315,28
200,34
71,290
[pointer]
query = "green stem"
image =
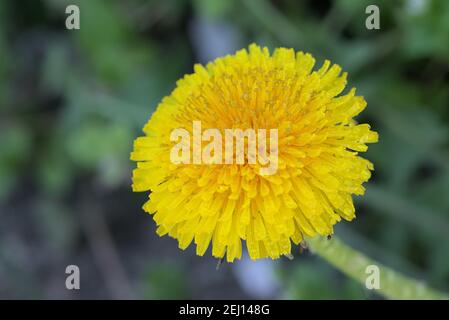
x,y
393,285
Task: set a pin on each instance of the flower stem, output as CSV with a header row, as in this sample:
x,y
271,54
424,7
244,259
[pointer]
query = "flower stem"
x,y
393,285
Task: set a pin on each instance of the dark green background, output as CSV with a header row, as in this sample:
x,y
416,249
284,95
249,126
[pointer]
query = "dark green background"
x,y
72,102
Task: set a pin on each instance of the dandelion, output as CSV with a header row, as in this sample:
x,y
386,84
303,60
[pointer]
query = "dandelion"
x,y
232,204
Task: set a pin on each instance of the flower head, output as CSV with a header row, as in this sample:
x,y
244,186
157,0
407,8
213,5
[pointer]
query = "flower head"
x,y
318,168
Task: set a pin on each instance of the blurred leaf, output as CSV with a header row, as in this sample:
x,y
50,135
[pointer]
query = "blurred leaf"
x,y
214,9
15,146
91,143
55,68
407,210
55,170
419,127
433,191
165,281
107,38
4,61
426,30
314,280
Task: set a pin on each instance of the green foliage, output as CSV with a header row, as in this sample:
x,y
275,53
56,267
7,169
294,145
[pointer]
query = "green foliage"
x,y
214,9
164,281
15,146
71,103
312,280
426,29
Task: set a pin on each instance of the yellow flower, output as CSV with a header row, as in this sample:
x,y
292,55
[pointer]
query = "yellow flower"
x,y
318,167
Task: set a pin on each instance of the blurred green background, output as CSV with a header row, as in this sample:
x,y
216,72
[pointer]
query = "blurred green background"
x,y
72,102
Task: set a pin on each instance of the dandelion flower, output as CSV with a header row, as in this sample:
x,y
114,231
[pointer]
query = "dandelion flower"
x,y
233,205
